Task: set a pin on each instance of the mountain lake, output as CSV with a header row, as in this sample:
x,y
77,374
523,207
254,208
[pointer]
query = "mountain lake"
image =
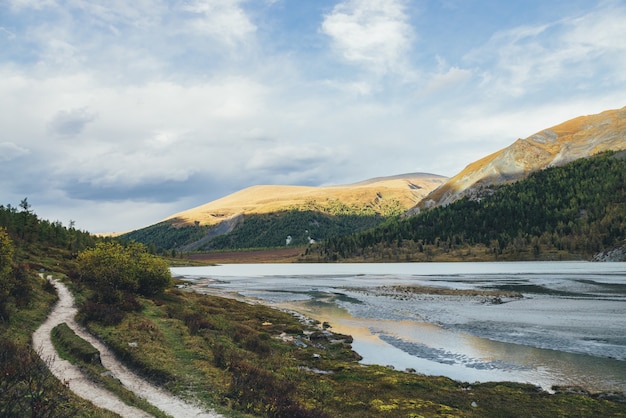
x,y
543,323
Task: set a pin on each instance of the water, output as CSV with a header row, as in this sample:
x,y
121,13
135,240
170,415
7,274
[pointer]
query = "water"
x,y
569,328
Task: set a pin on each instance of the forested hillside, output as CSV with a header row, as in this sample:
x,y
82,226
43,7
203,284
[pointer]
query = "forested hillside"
x,y
575,210
35,237
298,227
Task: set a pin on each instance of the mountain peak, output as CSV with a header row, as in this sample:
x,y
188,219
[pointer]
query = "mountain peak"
x,y
580,137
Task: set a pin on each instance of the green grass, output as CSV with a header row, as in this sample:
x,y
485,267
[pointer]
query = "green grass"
x,y
27,388
79,352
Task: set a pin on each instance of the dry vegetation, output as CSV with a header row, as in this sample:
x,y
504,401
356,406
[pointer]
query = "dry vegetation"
x,y
278,255
577,138
407,190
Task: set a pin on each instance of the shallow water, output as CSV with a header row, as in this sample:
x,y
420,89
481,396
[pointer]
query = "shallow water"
x,y
567,329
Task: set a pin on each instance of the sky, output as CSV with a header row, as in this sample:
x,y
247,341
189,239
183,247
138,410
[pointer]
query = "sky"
x,y
116,114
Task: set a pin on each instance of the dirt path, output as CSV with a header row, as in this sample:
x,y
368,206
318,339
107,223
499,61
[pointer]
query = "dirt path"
x,y
64,311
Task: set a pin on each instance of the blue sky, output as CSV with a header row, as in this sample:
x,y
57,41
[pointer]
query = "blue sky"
x,y
117,114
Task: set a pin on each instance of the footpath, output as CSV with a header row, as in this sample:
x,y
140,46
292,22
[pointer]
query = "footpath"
x,y
65,311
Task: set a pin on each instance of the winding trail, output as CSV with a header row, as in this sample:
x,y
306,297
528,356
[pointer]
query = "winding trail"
x,y
65,311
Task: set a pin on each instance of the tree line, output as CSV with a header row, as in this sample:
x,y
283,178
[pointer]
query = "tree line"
x,y
577,208
301,226
25,228
312,222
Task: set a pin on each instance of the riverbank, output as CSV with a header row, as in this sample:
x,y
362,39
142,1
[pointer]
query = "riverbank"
x,y
544,323
260,361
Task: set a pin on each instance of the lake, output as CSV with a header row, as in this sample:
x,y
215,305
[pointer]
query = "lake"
x,y
544,323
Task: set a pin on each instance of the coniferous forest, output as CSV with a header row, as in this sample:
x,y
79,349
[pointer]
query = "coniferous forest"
x,y
34,236
575,210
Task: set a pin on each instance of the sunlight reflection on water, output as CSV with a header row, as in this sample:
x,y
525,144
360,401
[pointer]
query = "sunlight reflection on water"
x,y
562,332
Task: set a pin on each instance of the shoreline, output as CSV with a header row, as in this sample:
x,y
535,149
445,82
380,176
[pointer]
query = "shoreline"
x,y
509,304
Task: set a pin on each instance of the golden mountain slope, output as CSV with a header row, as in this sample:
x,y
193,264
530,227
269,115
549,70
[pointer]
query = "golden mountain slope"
x,y
407,189
577,138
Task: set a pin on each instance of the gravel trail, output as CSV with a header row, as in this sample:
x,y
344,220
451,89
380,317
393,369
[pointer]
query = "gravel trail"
x,y
65,311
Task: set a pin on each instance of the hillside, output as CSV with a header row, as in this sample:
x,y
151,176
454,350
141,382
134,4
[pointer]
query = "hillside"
x,y
572,211
406,190
272,216
577,138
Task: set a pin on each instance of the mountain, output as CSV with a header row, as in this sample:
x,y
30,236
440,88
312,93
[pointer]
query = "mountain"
x,y
406,189
577,138
570,211
271,215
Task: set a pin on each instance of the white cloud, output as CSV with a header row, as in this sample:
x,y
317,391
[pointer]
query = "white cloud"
x,y
445,80
154,106
371,33
574,52
223,20
358,88
31,4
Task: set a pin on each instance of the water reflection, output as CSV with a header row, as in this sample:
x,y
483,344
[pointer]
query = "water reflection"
x,y
568,310
431,349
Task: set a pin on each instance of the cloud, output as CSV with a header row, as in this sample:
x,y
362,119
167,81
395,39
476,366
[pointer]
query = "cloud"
x,y
10,151
222,20
31,4
574,52
71,122
445,80
7,33
114,15
373,34
287,159
150,107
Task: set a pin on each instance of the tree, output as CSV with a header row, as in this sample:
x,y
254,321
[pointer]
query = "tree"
x,y
6,270
25,205
110,265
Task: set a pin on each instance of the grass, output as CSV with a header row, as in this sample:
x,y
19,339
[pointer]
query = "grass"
x,y
79,352
27,388
255,360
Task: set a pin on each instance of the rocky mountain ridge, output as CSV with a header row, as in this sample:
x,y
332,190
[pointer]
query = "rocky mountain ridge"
x,y
580,137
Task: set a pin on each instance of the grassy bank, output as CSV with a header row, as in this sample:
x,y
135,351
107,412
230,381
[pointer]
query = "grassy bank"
x,y
27,388
259,361
79,352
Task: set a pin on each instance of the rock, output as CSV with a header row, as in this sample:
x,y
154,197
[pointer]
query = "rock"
x,y
612,396
614,255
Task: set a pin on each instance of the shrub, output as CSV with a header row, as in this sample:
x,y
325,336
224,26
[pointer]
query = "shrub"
x,y
106,314
261,392
196,322
27,388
